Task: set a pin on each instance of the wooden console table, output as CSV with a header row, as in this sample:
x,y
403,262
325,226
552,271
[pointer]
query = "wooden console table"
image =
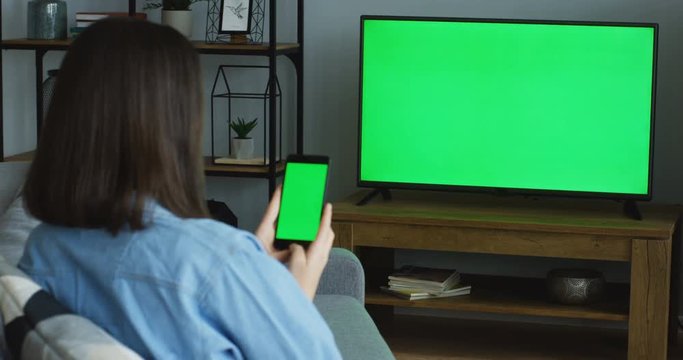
x,y
574,229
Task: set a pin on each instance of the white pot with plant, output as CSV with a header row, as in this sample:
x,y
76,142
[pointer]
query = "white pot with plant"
x,y
242,144
175,13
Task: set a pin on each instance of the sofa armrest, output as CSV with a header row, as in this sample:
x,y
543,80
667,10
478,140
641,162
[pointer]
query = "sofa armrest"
x,y
37,326
354,331
343,275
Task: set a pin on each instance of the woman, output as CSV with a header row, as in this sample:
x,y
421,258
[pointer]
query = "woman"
x,y
126,241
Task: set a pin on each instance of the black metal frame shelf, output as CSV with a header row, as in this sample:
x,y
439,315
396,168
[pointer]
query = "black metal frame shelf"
x,y
200,46
270,49
257,172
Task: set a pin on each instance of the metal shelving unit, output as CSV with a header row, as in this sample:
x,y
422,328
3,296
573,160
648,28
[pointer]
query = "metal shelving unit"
x,y
270,49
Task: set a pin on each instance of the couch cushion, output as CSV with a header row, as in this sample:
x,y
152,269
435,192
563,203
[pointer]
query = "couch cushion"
x,y
12,175
38,327
15,226
356,334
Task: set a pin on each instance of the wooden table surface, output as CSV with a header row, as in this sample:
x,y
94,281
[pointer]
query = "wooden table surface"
x,y
525,226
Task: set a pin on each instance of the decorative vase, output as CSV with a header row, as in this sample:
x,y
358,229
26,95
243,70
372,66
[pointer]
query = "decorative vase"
x,y
575,286
243,148
46,19
48,89
180,20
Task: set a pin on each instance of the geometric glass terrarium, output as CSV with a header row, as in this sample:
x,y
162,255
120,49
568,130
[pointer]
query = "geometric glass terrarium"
x,y
229,106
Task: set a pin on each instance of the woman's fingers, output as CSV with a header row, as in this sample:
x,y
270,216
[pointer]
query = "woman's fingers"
x,y
266,229
320,248
281,255
307,266
273,207
300,269
297,259
326,220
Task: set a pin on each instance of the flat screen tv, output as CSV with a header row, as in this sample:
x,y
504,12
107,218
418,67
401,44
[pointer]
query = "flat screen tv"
x,y
516,106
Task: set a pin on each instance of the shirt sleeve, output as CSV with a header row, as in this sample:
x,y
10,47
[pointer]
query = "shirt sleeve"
x,y
255,302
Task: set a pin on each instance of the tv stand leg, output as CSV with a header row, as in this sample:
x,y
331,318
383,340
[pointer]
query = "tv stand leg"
x,y
631,210
649,301
386,195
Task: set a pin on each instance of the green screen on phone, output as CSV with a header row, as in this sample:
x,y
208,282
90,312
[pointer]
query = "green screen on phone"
x,y
303,193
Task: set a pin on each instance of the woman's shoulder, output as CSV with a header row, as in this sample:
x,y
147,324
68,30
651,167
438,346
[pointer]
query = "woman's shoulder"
x,y
181,253
200,233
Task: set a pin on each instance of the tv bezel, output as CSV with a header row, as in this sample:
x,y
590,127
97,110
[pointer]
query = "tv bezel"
x,y
508,190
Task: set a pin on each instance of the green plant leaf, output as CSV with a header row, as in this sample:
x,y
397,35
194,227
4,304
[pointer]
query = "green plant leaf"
x,y
243,128
152,5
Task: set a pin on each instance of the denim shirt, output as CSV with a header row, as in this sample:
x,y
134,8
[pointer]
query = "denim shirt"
x,y
180,289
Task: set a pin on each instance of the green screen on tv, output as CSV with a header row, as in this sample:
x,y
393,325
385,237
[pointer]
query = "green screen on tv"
x,y
511,105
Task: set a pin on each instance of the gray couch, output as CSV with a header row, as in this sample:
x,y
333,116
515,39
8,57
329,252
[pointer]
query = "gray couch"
x,y
36,326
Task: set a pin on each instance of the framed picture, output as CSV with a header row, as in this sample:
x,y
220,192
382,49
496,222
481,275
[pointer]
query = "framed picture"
x,y
235,16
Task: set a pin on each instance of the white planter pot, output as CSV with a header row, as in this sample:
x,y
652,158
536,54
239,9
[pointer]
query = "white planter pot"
x,y
243,148
180,20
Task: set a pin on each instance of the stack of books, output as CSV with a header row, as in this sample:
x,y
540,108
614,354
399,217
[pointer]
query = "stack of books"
x,y
416,283
85,19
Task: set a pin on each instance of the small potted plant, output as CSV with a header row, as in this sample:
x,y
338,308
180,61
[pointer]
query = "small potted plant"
x,y
174,13
242,144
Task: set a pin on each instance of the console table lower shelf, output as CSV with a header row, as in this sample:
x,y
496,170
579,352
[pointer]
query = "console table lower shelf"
x,y
515,296
569,229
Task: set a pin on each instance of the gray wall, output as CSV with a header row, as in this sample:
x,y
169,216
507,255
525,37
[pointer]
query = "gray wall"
x,y
331,94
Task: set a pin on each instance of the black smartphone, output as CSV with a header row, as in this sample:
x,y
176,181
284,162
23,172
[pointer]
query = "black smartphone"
x,y
303,198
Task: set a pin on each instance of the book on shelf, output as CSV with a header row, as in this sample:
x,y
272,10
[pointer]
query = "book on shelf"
x,y
84,23
75,31
420,294
424,278
416,283
94,16
85,19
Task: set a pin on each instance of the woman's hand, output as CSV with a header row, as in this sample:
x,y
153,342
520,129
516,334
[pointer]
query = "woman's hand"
x,y
266,229
307,266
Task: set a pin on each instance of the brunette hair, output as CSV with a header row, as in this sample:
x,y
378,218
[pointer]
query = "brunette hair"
x,y
123,127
